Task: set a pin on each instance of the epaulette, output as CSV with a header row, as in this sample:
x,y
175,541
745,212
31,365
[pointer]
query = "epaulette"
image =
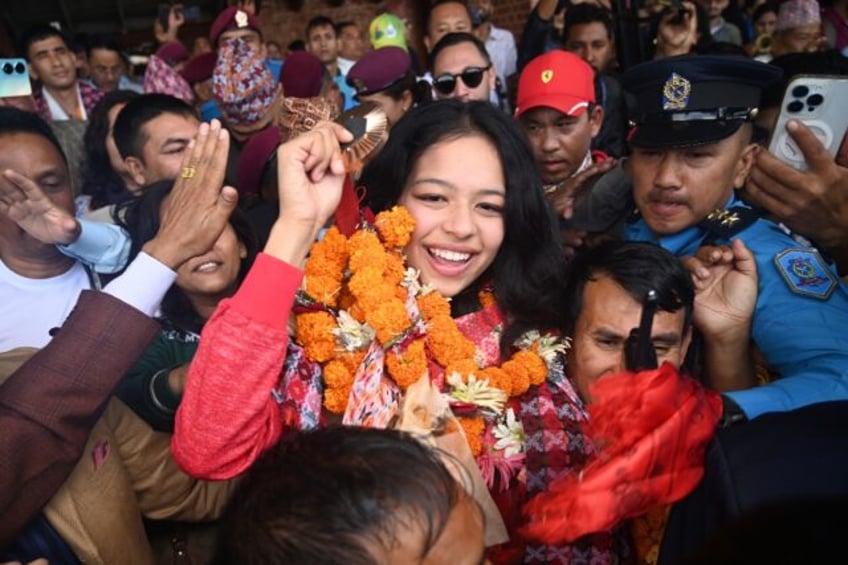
x,y
726,223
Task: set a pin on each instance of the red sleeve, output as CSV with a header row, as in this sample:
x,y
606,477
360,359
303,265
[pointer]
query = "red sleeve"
x,y
227,416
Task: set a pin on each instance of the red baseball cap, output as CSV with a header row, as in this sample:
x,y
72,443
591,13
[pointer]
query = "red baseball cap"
x,y
559,80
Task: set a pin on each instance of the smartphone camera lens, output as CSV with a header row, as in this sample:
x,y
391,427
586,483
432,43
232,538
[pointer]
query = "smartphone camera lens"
x,y
800,91
19,68
795,106
815,100
7,68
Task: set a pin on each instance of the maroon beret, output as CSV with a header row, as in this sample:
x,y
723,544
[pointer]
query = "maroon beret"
x,y
254,157
200,67
172,53
378,70
302,75
232,18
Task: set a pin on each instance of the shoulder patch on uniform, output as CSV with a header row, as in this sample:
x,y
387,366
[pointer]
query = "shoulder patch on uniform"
x,y
805,272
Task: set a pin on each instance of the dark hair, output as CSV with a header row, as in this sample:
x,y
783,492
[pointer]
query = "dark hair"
x,y
40,32
99,180
763,9
296,45
325,496
102,42
141,218
435,4
341,25
637,267
319,21
581,14
458,38
829,62
13,120
528,269
720,48
128,131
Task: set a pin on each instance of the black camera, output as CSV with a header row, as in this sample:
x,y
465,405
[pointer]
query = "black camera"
x,y
677,9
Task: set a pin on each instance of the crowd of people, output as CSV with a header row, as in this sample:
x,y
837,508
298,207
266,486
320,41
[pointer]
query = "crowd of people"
x,y
544,301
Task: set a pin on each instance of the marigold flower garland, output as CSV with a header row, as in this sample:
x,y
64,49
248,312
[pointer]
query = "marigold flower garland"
x,y
357,289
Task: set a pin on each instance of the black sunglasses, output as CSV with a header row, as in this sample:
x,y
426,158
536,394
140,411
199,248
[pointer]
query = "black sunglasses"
x,y
471,76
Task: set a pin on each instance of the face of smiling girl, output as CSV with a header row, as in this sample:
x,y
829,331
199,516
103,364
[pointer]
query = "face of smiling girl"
x,y
456,193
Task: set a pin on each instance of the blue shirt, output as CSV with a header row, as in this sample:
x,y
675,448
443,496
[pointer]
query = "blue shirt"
x,y
800,322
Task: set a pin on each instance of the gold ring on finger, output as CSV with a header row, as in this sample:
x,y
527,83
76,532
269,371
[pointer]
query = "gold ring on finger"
x,y
187,172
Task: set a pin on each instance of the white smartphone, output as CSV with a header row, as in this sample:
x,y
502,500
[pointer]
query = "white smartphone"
x,y
821,103
14,78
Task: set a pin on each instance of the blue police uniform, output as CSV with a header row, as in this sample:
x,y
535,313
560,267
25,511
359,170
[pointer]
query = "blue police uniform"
x,y
800,322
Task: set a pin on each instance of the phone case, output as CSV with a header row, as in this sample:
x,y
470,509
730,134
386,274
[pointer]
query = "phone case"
x,y
821,103
14,78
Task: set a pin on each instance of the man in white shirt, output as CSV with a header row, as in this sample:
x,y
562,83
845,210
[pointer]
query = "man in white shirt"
x,y
499,42
38,283
351,45
58,94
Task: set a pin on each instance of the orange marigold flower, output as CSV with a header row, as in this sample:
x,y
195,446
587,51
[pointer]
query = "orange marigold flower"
x,y
368,288
328,256
408,366
335,399
519,375
433,305
498,378
314,332
473,428
389,319
323,289
465,368
394,269
537,370
357,312
337,375
446,342
351,360
346,299
365,251
486,298
395,226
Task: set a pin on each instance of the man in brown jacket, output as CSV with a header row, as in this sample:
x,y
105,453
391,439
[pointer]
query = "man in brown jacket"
x,y
49,405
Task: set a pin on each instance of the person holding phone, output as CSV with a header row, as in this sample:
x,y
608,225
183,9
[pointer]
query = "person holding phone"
x,y
692,149
814,202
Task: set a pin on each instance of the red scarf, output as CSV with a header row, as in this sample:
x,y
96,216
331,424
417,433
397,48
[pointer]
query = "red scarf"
x,y
652,429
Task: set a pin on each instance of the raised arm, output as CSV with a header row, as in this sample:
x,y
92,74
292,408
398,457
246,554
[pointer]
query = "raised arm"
x,y
726,293
48,406
228,415
813,203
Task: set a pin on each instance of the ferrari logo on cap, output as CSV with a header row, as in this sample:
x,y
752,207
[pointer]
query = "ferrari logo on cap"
x,y
547,76
676,92
241,19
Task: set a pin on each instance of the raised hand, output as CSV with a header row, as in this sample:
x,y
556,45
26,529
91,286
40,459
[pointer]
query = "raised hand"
x,y
725,280
725,297
198,208
23,202
677,37
310,174
813,203
563,195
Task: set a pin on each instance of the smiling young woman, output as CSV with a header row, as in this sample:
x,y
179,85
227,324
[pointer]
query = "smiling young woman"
x,y
473,290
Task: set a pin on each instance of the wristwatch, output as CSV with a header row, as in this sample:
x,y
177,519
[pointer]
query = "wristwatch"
x,y
731,414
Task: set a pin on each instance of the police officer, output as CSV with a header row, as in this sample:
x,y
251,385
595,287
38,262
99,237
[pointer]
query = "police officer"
x,y
691,150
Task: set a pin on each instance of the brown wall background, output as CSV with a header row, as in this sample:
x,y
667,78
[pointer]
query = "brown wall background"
x,y
284,25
